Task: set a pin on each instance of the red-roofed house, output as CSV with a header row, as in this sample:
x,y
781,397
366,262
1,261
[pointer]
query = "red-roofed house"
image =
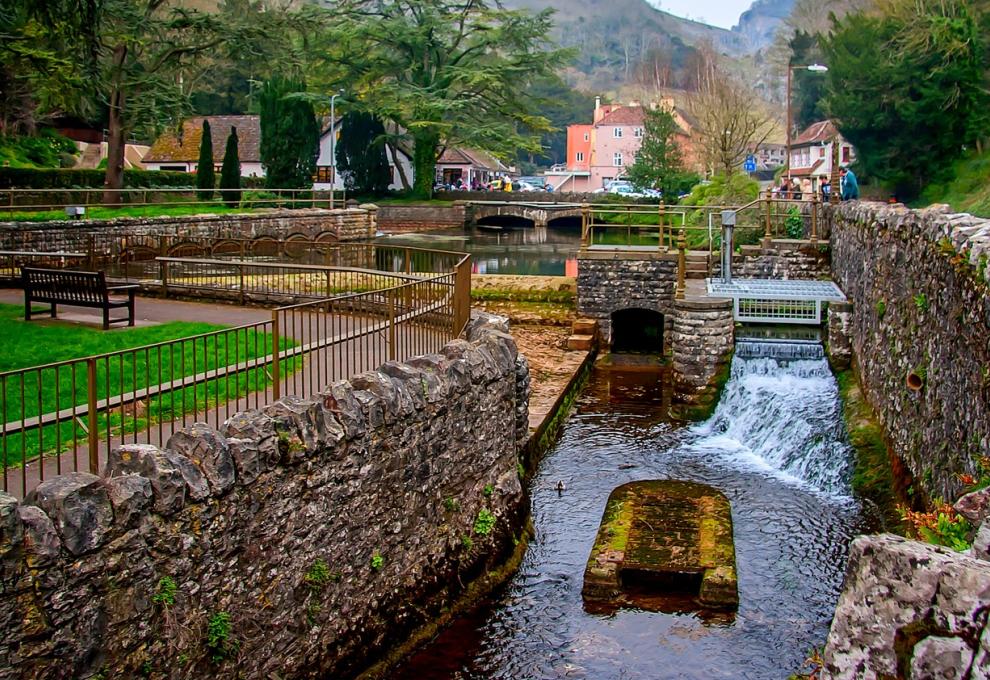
x,y
601,152
811,152
180,150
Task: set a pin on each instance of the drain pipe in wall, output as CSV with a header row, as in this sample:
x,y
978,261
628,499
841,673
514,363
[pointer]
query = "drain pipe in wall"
x,y
728,223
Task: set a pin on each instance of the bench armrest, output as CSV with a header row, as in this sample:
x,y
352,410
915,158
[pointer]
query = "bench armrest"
x,y
129,286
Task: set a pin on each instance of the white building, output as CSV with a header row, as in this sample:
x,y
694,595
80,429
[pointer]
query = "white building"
x,y
811,153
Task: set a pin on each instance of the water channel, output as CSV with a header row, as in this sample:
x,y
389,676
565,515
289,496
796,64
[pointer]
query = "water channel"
x,y
775,446
542,251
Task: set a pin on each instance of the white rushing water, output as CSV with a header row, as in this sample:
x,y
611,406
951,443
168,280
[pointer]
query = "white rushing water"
x,y
781,416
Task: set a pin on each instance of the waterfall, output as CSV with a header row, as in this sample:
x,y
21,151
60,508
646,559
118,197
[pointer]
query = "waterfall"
x,y
780,414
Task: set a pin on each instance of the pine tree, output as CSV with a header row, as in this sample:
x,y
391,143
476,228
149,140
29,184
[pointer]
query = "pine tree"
x,y
230,171
361,157
290,137
205,176
659,163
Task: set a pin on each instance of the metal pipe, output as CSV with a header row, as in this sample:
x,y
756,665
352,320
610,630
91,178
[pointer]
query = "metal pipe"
x,y
728,223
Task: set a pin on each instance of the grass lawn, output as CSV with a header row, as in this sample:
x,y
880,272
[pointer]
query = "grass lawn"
x,y
54,388
101,213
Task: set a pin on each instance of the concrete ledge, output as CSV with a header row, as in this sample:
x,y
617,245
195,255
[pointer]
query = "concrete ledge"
x,y
626,255
701,304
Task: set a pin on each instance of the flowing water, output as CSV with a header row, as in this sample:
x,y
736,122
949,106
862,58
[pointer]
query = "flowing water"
x,y
775,446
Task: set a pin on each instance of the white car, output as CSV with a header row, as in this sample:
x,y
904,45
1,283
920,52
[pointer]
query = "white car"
x,y
624,189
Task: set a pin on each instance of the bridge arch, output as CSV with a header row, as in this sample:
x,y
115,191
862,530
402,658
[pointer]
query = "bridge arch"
x,y
565,222
637,330
507,221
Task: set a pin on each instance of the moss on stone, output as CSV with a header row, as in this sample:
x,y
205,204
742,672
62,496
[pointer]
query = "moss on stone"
x,y
878,476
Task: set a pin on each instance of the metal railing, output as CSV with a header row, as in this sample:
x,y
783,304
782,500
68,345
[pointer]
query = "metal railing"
x,y
46,200
11,262
67,415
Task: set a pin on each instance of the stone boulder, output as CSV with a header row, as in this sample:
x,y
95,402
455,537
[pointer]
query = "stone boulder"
x,y
79,507
208,450
974,506
907,610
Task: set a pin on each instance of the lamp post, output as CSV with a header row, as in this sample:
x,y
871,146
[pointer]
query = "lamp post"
x,y
814,68
333,140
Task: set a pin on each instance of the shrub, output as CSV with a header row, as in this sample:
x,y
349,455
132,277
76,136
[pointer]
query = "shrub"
x,y
205,176
230,172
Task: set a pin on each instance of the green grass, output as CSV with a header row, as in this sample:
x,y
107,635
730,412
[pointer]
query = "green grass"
x,y
44,150
101,213
968,190
49,389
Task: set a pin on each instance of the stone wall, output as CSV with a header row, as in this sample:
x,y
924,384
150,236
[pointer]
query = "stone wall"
x,y
343,225
539,197
784,259
612,280
702,342
297,542
415,218
918,281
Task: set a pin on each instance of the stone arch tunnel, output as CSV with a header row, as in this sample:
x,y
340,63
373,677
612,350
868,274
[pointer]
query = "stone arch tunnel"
x,y
637,330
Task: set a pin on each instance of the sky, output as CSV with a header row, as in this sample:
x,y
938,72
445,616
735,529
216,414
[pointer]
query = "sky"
x,y
724,13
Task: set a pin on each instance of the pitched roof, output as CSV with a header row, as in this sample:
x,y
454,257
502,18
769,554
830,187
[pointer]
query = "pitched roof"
x,y
816,133
184,146
624,115
463,156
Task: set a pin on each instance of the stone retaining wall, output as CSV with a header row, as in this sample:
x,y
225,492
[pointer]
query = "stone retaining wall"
x,y
609,281
918,281
702,343
297,542
785,259
352,224
417,218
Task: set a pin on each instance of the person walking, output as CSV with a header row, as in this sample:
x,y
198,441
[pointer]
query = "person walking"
x,y
850,187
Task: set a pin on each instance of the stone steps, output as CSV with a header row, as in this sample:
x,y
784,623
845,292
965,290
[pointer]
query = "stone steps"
x,y
584,333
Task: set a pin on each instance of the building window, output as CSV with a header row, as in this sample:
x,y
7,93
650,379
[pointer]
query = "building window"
x,y
845,154
617,159
322,175
579,157
637,132
586,136
617,132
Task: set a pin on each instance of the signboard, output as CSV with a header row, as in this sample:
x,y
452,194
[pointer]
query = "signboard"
x,y
750,164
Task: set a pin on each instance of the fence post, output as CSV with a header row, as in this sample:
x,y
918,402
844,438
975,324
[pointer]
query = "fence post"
x,y
276,377
390,293
462,295
767,234
585,225
240,276
91,252
93,435
163,274
814,219
681,264
661,216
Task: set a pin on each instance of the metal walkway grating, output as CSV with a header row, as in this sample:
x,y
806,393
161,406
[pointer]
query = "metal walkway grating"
x,y
776,301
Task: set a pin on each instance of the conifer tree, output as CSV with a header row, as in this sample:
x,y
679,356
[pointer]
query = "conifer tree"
x,y
290,136
659,163
230,171
360,153
205,176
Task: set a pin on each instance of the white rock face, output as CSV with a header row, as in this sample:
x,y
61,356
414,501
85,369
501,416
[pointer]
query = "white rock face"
x,y
910,610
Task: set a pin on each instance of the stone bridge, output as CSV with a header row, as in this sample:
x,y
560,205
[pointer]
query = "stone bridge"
x,y
540,214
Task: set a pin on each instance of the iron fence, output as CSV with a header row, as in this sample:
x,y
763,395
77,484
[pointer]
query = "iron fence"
x,y
11,262
66,416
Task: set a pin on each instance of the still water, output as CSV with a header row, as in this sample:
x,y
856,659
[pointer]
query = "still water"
x,y
540,251
775,447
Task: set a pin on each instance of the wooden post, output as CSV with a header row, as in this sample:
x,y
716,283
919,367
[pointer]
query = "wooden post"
x,y
767,233
661,215
681,264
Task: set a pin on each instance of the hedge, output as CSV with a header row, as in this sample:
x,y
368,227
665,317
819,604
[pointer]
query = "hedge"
x,y
51,178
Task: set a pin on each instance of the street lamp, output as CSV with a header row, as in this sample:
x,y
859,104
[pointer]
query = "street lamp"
x,y
814,68
333,140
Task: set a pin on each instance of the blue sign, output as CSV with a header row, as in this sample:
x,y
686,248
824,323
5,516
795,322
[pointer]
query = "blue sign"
x,y
750,164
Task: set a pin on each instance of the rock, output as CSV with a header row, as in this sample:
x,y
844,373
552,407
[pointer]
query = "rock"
x,y
11,530
981,543
339,400
131,496
208,451
898,590
247,459
168,485
942,658
197,488
974,506
79,507
40,540
259,428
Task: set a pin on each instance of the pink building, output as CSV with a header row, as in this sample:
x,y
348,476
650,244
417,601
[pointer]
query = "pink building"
x,y
811,153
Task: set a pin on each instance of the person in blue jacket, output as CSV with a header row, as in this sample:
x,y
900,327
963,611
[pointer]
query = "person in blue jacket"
x,y
850,187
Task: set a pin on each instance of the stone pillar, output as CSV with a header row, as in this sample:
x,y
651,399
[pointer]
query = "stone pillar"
x,y
702,344
840,334
372,211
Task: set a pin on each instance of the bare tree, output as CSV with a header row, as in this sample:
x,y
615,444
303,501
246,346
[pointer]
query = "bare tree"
x,y
730,120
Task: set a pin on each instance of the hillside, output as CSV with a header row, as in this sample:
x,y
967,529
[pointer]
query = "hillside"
x,y
613,36
968,190
758,25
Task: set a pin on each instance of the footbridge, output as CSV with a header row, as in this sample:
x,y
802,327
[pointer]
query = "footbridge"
x,y
511,213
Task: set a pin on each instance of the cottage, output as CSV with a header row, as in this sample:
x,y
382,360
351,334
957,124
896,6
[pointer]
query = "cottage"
x,y
179,150
811,153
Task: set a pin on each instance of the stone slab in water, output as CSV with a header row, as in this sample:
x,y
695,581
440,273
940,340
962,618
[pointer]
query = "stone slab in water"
x,y
671,536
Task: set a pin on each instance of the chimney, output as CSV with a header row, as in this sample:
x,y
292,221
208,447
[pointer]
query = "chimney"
x,y
598,108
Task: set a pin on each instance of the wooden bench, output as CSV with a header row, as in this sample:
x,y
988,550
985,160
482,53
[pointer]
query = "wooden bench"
x,y
78,289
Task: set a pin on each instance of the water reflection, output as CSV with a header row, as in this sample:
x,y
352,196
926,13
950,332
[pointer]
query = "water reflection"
x,y
791,540
539,251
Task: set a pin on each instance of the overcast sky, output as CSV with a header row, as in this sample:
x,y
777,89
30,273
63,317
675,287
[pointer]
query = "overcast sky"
x,y
724,13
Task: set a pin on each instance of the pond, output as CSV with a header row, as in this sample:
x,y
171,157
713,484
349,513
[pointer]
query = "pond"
x,y
776,447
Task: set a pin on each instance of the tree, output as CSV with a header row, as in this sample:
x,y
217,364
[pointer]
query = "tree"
x,y
230,172
360,153
290,136
205,176
448,72
659,162
808,87
907,87
731,119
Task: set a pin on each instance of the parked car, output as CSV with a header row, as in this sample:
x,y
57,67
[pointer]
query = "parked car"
x,y
535,181
624,189
526,186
